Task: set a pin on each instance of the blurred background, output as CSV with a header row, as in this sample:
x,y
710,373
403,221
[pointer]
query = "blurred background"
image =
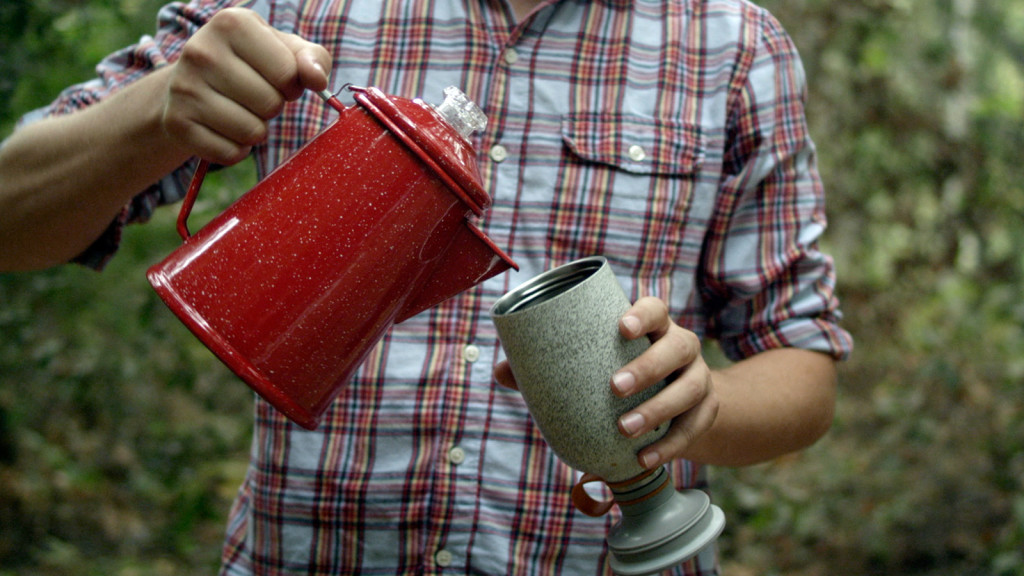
x,y
122,440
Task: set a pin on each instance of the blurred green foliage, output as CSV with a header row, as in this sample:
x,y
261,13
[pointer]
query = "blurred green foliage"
x,y
918,111
122,440
47,44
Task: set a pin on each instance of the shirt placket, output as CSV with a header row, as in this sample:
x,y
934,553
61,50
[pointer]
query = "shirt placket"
x,y
457,459
469,390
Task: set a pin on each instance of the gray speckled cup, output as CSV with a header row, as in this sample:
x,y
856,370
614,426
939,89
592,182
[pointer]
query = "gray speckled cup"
x,y
560,333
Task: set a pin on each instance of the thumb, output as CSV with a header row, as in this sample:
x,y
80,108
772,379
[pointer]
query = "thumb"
x,y
313,63
314,67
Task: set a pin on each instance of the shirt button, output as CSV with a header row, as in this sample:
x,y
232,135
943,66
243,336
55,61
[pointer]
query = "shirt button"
x,y
456,455
510,56
471,353
443,558
498,153
636,153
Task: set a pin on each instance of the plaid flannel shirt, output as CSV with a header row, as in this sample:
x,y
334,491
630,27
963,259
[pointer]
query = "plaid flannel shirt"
x,y
666,135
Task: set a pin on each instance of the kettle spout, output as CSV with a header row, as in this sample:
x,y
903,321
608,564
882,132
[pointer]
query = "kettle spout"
x,y
471,259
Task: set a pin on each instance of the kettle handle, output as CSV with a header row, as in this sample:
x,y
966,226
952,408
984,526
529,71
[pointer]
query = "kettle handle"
x,y
190,198
204,166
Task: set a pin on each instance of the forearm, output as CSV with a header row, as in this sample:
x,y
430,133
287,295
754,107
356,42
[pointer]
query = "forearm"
x,y
770,404
63,179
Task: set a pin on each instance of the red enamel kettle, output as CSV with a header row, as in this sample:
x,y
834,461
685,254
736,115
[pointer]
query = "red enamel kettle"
x,y
363,227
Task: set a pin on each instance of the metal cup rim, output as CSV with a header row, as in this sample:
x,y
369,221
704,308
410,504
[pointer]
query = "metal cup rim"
x,y
546,285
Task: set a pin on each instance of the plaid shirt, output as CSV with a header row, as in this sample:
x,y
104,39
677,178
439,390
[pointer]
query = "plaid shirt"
x,y
666,135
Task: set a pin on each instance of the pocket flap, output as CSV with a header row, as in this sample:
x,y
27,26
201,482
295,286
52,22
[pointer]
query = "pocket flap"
x,y
634,143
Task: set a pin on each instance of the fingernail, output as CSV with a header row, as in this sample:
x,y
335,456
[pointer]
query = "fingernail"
x,y
632,323
631,423
649,459
624,382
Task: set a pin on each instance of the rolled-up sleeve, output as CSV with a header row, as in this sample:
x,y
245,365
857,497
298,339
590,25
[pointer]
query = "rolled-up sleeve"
x,y
765,277
176,23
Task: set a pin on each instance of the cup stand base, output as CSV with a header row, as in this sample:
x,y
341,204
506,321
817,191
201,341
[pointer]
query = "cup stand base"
x,y
662,528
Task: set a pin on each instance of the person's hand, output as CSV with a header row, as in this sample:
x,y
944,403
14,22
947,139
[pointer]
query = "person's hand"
x,y
233,76
688,399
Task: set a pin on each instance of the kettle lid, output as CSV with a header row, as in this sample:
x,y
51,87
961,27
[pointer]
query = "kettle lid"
x,y
426,132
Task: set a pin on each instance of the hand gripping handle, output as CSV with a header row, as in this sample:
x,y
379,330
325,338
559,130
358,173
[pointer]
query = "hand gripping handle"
x,y
204,167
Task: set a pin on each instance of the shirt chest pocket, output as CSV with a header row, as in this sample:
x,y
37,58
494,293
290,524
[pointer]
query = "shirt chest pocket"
x,y
624,184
